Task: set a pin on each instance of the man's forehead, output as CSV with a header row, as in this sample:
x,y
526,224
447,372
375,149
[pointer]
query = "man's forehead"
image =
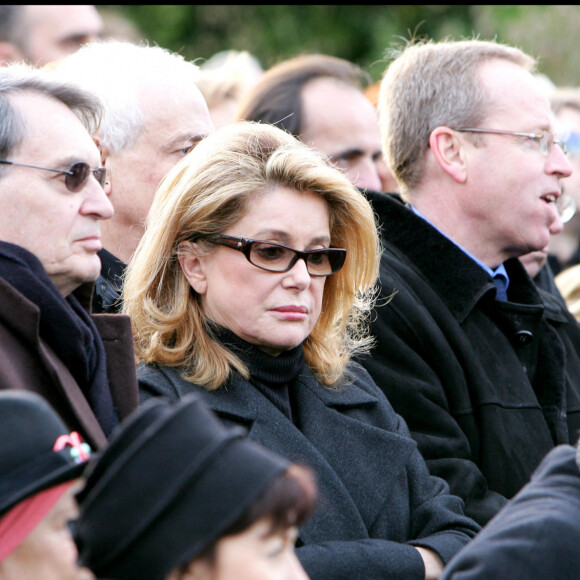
x,y
339,116
515,95
52,128
178,111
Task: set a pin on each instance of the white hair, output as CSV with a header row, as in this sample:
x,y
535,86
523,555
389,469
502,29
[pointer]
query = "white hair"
x,y
117,72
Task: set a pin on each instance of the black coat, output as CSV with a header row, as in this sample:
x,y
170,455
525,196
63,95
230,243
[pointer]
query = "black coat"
x,y
536,535
27,362
486,387
376,497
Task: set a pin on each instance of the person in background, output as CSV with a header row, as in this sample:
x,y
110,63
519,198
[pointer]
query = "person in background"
x,y
564,249
117,26
177,496
42,34
53,201
224,79
251,287
540,264
320,100
41,464
482,364
151,120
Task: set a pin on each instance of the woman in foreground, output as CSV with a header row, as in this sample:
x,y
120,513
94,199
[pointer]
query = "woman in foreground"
x,y
251,286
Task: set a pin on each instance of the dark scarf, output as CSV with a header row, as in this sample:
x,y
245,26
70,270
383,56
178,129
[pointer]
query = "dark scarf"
x,y
272,375
65,326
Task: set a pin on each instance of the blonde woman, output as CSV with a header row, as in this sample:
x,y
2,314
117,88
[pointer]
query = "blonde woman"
x,y
251,286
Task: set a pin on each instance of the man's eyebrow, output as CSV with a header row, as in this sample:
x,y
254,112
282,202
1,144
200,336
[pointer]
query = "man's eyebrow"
x,y
197,138
65,162
353,152
186,138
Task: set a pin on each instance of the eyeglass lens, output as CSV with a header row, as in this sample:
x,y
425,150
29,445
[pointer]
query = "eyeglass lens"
x,y
279,259
78,173
547,141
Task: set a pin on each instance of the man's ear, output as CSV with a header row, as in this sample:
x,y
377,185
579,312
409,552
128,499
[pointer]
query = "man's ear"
x,y
104,152
449,152
9,53
193,266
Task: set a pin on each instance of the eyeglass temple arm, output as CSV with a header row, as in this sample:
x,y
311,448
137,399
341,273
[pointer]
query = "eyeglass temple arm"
x,y
65,171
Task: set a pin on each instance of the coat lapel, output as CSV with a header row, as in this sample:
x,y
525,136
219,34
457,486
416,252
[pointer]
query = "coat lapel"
x,y
331,435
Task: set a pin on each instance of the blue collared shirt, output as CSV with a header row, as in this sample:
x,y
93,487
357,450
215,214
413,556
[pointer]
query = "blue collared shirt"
x,y
499,275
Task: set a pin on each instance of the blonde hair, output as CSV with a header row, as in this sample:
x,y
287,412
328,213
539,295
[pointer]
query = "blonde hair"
x,y
206,193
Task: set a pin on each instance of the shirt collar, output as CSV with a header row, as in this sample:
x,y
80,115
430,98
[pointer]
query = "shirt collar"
x,y
499,271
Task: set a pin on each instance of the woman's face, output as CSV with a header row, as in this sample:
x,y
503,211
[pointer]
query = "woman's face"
x,y
254,554
275,311
49,551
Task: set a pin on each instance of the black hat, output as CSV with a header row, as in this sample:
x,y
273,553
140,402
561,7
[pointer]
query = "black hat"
x,y
172,480
29,463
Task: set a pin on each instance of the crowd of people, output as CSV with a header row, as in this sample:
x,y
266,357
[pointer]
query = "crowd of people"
x,y
256,324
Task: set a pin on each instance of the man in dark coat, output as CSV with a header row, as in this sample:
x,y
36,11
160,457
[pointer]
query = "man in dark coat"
x,y
52,200
481,363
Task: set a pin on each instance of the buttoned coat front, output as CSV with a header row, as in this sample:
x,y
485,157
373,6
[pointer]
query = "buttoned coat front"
x,y
487,388
27,362
376,497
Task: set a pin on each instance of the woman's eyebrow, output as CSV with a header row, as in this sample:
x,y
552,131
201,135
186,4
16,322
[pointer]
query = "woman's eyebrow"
x,y
285,237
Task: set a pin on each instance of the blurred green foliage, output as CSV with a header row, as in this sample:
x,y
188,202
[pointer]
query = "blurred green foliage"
x,y
358,33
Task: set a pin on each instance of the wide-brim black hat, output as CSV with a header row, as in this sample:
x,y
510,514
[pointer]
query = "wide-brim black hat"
x,y
29,464
172,480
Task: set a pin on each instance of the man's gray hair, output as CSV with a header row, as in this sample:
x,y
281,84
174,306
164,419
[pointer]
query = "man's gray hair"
x,y
21,78
117,72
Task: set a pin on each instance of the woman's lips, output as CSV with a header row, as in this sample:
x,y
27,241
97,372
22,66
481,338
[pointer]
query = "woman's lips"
x,y
292,312
301,309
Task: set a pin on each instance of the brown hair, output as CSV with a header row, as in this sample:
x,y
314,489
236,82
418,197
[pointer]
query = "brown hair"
x,y
276,98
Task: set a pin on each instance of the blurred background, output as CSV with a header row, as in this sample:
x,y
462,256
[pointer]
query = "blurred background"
x,y
356,33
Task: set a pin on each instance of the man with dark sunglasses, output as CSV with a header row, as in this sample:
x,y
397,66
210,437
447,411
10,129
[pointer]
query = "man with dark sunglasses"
x,y
52,200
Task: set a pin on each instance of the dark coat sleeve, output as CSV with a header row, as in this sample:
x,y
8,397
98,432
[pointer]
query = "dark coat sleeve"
x,y
368,559
537,535
435,517
437,523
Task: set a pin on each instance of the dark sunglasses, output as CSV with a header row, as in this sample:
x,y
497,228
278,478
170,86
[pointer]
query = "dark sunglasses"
x,y
274,257
76,175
